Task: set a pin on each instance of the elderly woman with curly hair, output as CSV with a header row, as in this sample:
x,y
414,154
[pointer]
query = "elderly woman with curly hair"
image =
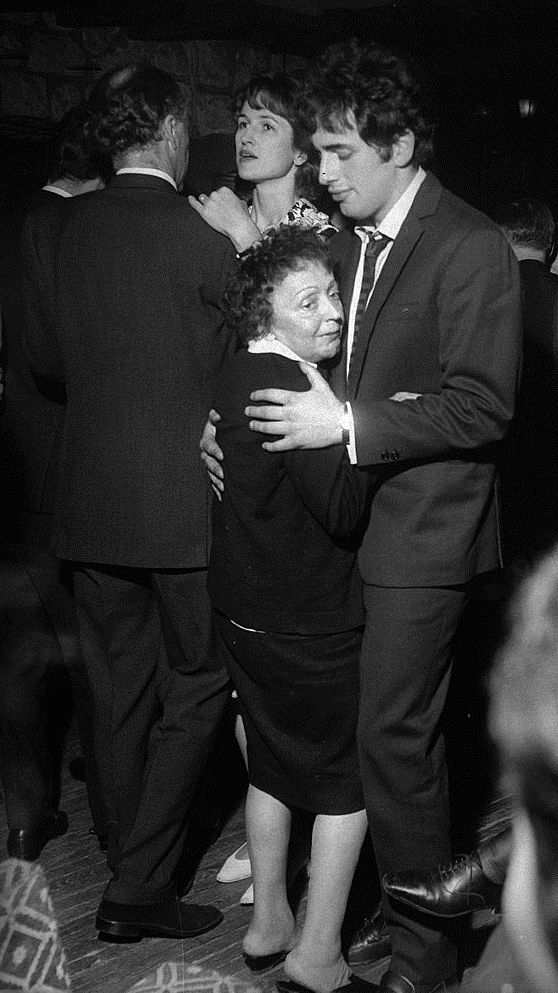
x,y
287,601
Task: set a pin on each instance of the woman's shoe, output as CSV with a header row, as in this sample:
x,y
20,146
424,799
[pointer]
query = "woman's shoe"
x,y
247,898
265,963
235,867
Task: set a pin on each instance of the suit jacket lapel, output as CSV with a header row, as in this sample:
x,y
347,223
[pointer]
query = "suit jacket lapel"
x,y
410,233
346,283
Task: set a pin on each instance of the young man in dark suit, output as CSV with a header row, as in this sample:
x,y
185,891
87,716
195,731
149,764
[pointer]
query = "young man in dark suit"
x,y
433,322
132,336
36,612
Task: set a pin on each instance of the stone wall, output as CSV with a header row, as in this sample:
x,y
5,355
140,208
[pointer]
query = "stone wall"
x,y
46,68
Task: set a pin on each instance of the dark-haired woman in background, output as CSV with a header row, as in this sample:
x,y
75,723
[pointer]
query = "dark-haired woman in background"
x,y
288,607
274,152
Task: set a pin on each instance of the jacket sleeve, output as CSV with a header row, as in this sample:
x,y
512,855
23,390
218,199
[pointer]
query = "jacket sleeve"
x,y
336,493
475,323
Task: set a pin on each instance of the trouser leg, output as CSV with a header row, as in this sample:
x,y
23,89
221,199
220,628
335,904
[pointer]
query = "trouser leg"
x,y
405,672
152,633
34,697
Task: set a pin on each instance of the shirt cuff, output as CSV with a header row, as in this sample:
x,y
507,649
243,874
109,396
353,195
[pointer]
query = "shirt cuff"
x,y
351,445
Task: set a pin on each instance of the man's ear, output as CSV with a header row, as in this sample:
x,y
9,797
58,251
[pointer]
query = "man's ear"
x,y
403,149
169,128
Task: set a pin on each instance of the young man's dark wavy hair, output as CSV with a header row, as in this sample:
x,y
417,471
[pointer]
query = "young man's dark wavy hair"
x,y
128,106
249,297
381,88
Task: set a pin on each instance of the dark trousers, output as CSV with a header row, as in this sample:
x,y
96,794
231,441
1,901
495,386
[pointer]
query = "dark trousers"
x,y
36,640
149,634
404,676
39,650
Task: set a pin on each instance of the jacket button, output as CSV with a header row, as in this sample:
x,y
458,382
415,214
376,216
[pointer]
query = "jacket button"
x,y
394,456
385,455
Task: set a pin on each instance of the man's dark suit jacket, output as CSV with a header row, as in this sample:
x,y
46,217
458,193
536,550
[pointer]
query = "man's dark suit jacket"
x,y
30,419
133,335
443,321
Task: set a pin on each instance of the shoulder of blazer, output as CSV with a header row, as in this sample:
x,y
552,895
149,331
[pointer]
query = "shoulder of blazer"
x,y
434,200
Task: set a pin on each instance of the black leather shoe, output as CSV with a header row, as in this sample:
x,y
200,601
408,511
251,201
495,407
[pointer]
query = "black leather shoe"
x,y
394,982
449,891
371,942
28,843
173,919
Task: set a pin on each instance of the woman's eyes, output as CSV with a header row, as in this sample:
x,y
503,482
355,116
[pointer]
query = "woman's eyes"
x,y
265,125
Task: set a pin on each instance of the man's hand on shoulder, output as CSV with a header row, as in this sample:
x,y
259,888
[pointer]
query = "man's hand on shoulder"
x,y
311,419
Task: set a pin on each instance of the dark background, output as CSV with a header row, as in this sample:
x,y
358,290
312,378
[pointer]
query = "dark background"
x,y
482,57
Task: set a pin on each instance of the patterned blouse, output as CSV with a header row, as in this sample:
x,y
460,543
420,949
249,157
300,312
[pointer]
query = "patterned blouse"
x,y
306,215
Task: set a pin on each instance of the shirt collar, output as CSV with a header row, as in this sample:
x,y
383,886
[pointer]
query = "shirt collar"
x,y
393,221
271,344
147,171
50,188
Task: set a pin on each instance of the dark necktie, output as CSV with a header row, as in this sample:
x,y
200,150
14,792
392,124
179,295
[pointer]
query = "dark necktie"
x,y
376,244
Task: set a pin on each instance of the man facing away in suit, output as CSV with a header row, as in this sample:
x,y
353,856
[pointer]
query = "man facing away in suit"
x,y
437,329
135,316
36,614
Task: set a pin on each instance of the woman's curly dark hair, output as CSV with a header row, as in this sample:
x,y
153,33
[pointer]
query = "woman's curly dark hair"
x,y
380,87
248,301
128,106
280,93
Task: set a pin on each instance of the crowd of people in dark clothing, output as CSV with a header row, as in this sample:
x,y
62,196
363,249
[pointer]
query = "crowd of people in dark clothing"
x,y
367,366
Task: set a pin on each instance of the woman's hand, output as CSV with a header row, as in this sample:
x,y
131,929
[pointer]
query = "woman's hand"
x,y
228,214
212,455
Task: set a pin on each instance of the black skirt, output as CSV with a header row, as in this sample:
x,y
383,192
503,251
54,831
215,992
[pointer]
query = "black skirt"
x,y
298,696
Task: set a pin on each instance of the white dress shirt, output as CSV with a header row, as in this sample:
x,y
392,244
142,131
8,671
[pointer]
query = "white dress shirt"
x,y
147,171
390,227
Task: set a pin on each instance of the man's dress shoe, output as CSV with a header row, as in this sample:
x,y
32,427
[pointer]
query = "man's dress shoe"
x,y
28,843
355,985
172,919
371,942
448,891
394,982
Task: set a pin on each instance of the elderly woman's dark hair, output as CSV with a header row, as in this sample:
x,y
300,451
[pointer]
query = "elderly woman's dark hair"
x,y
280,93
129,105
380,87
249,297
